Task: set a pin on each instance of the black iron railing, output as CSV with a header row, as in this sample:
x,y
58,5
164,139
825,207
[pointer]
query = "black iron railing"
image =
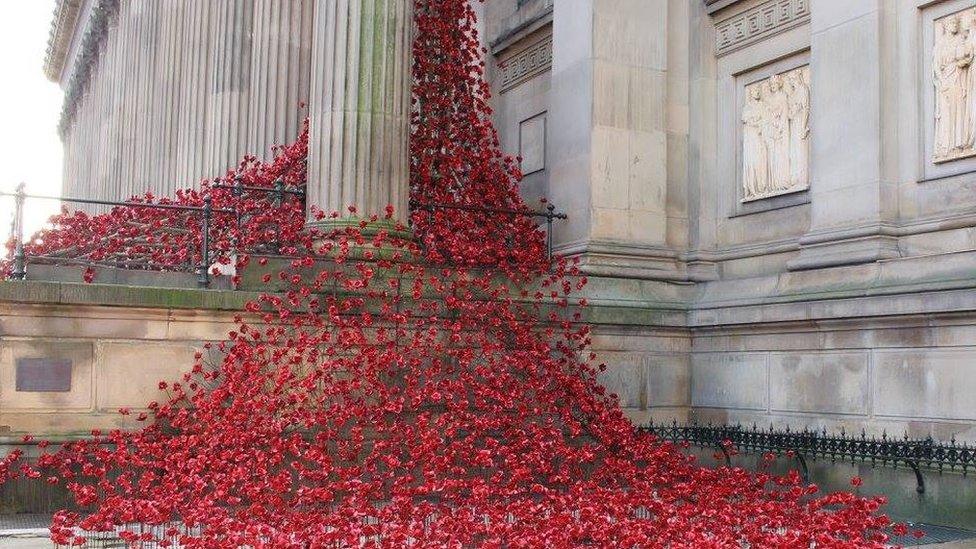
x,y
206,213
549,214
885,451
279,191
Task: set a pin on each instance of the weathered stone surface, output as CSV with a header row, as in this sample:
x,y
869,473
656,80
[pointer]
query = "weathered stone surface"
x,y
693,301
729,380
360,106
833,383
78,398
127,374
932,384
230,78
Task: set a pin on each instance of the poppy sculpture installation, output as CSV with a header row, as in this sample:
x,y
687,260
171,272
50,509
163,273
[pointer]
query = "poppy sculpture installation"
x,y
426,386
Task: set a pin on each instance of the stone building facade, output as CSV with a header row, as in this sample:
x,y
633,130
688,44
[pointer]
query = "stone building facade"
x,y
781,193
773,199
160,94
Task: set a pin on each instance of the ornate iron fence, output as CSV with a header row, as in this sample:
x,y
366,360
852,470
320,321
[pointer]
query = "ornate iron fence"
x,y
885,451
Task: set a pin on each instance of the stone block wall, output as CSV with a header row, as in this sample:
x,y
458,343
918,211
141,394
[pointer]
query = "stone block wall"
x,y
117,353
122,340
909,375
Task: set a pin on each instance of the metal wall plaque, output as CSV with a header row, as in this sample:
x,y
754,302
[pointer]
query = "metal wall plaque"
x,y
44,375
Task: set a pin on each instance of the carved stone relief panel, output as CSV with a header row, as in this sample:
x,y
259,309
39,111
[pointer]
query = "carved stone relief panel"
x,y
954,80
775,126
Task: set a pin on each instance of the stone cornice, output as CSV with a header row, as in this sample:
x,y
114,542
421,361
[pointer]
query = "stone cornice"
x,y
530,17
63,23
534,59
712,6
86,58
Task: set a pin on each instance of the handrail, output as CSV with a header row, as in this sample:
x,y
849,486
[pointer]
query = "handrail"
x,y
549,214
206,212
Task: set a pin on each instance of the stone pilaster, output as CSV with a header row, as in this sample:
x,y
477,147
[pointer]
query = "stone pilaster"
x,y
853,199
360,107
618,96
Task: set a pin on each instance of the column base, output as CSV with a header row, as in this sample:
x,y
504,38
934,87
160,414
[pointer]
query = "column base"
x,y
640,261
373,227
853,246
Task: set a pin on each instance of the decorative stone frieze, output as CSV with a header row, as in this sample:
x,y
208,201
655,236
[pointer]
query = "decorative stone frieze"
x,y
954,78
776,135
533,60
759,22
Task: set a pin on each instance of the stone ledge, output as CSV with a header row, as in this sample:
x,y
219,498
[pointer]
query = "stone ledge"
x,y
69,293
904,286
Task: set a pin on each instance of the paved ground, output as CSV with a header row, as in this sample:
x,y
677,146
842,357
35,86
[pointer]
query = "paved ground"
x,y
30,532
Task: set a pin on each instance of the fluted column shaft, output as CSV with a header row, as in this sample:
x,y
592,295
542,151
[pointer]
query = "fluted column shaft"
x,y
360,104
280,62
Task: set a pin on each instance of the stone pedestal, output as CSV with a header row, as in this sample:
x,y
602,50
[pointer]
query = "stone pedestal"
x,y
360,108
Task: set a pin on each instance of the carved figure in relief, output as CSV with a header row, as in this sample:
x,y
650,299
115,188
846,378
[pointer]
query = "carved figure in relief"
x,y
776,132
755,176
953,56
776,135
798,91
970,27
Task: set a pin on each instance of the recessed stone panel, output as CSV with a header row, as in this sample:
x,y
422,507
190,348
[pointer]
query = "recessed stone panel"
x,y
668,380
625,376
129,373
948,64
819,382
45,375
729,380
926,383
953,65
775,129
532,144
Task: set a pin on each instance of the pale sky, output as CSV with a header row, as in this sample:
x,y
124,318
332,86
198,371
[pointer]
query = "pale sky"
x,y
30,150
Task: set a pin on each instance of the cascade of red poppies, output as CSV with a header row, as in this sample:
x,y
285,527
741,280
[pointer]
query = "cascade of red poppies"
x,y
431,390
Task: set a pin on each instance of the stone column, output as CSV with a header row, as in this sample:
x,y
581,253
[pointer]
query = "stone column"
x,y
229,90
853,197
360,107
280,62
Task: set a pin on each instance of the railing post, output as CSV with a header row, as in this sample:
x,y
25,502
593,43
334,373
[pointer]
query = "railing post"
x,y
279,192
20,258
279,198
204,273
550,213
238,192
